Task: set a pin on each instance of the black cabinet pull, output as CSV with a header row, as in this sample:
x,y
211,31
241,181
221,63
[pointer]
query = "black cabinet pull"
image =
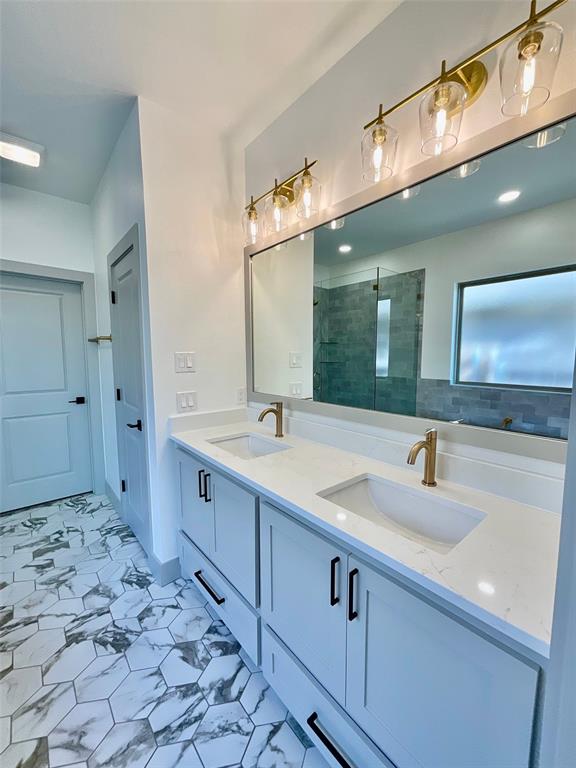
x,y
218,600
206,487
352,614
315,728
334,599
80,400
200,485
137,426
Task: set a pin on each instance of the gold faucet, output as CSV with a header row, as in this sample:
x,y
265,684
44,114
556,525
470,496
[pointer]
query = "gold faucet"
x,y
429,446
278,410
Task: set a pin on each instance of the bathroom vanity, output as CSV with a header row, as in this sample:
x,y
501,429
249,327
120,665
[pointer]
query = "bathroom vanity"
x,y
401,625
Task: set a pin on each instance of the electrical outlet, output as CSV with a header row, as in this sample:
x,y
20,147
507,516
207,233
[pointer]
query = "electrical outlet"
x,y
295,359
186,401
295,388
185,362
241,396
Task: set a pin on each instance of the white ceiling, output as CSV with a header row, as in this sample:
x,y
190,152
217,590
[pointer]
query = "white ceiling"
x,y
71,70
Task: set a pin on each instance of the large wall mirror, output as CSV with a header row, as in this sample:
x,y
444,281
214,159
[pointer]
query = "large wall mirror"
x,y
454,300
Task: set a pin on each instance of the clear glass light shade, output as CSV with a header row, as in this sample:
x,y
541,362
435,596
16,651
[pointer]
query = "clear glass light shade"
x,y
465,170
307,191
409,193
545,137
251,224
276,212
378,152
441,116
336,223
527,67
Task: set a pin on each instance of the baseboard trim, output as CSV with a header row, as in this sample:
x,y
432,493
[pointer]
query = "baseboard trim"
x,y
166,572
113,498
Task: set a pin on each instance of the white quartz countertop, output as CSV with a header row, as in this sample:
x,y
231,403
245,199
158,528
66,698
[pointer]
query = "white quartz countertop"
x,y
502,573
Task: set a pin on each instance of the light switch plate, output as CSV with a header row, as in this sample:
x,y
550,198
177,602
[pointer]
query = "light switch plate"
x,y
185,362
186,401
241,395
295,359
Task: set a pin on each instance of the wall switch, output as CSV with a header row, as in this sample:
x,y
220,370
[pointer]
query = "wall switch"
x,y
295,359
241,395
186,401
295,388
185,362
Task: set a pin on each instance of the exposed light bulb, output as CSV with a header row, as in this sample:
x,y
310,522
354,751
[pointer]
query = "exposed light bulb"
x,y
277,215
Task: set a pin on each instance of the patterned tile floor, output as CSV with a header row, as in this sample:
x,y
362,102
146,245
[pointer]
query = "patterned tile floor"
x,y
100,666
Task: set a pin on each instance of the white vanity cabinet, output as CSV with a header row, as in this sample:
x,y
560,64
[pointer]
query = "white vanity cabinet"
x,y
427,690
220,517
303,596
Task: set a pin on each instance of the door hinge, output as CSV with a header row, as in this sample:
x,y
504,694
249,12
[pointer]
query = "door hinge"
x,y
113,297
118,394
123,486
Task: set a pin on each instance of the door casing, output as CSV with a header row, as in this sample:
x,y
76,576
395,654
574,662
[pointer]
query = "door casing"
x,y
88,294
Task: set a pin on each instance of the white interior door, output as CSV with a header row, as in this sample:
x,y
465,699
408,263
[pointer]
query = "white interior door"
x,y
129,384
45,434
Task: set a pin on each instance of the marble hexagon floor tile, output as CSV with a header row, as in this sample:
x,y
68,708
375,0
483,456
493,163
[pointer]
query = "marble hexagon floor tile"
x,y
100,667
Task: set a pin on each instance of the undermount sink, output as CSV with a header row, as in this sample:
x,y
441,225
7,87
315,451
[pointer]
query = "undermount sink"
x,y
248,446
435,522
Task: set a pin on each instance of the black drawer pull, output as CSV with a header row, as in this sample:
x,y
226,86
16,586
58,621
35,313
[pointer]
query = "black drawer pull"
x,y
137,426
200,479
352,614
315,728
218,600
334,599
206,487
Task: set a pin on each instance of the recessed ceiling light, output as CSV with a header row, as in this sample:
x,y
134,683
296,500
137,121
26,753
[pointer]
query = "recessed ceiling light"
x,y
465,170
486,587
345,248
508,197
20,150
409,192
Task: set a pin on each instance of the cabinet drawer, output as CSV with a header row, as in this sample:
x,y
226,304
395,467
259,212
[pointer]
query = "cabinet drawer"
x,y
304,697
238,616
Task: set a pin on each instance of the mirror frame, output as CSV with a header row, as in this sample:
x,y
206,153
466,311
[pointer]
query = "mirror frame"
x,y
512,130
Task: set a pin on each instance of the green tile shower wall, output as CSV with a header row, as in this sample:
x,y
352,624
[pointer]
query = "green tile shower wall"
x,y
345,357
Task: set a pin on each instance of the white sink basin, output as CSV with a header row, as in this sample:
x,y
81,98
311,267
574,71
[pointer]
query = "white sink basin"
x,y
435,522
248,446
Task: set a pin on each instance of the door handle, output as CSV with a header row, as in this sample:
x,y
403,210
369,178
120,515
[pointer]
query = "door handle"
x,y
137,426
312,722
352,613
218,600
80,400
334,599
200,479
206,486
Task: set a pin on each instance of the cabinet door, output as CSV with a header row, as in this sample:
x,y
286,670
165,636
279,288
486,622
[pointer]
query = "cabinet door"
x,y
235,535
303,600
429,691
196,502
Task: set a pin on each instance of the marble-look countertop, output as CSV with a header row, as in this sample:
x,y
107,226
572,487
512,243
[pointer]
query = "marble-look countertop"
x,y
502,574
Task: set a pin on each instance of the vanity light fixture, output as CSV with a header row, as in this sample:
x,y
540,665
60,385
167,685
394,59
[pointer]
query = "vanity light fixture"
x,y
379,150
545,137
527,70
336,223
20,150
409,192
510,196
344,248
465,170
278,202
307,191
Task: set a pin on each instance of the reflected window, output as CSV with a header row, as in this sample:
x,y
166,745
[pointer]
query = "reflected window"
x,y
383,337
518,331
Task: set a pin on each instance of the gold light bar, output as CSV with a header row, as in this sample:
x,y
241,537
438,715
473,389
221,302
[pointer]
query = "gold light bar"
x,y
534,16
286,184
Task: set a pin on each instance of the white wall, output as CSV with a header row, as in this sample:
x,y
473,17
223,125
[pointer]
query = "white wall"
x,y
282,308
193,203
533,240
117,205
43,229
